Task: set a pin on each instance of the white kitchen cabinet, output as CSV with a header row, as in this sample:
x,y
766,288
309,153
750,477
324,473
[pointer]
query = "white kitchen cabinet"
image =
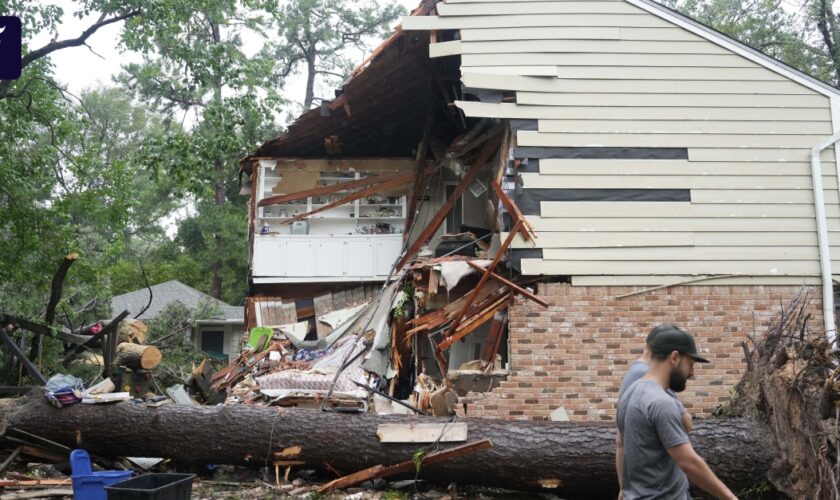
x,y
313,258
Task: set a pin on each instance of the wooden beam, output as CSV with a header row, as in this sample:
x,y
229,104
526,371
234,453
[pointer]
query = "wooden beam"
x,y
513,286
490,148
30,367
484,277
494,340
527,231
393,183
422,151
367,181
378,471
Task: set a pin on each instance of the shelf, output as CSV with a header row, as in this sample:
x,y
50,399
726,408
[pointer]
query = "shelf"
x,y
380,204
380,218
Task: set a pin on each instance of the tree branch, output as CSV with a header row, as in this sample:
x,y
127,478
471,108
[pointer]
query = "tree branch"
x,y
63,44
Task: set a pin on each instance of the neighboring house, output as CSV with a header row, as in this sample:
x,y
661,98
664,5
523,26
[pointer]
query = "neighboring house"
x,y
220,335
666,169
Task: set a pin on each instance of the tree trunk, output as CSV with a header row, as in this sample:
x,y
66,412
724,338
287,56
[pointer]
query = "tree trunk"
x,y
572,460
310,78
137,357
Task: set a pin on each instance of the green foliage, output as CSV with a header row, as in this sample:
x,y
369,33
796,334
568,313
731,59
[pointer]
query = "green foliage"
x,y
394,495
316,33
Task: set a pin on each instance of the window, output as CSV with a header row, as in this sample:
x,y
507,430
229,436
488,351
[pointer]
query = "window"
x,y
213,341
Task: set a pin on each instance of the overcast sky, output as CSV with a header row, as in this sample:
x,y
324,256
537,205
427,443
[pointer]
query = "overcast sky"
x,y
83,67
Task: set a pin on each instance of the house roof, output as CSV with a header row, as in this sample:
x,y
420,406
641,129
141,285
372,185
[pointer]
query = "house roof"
x,y
169,292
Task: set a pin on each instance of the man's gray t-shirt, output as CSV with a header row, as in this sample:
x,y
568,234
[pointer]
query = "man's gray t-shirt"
x,y
637,370
650,423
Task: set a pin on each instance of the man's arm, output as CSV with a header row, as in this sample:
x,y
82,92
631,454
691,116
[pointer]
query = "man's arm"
x,y
698,471
687,421
619,461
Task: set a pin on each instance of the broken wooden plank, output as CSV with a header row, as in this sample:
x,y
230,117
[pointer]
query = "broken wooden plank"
x,y
385,186
332,188
474,322
513,286
378,471
30,367
11,458
25,495
490,149
527,230
422,433
494,339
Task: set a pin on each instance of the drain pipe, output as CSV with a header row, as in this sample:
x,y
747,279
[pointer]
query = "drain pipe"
x,y
822,238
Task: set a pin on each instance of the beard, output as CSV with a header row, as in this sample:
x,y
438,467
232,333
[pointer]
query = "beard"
x,y
676,380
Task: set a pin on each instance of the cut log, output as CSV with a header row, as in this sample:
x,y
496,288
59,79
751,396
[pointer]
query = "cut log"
x,y
137,357
576,457
132,330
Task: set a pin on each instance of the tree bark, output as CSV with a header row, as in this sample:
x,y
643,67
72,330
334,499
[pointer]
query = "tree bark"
x,y
576,457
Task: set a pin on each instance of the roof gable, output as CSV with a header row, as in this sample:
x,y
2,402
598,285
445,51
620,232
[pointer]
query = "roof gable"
x,y
169,292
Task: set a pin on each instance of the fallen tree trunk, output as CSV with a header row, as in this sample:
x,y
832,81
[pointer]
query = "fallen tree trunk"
x,y
573,460
137,356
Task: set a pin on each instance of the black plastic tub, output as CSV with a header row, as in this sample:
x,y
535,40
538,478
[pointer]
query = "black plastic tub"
x,y
153,487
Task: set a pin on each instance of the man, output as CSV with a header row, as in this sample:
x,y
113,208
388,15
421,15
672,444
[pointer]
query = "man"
x,y
640,367
658,459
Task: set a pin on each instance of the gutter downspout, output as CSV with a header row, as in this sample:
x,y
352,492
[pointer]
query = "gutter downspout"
x,y
822,238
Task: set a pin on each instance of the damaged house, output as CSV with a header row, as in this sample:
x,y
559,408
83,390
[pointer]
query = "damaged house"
x,y
506,196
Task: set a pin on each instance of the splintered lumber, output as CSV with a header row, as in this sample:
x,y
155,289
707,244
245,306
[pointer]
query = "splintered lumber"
x,y
484,277
422,433
494,340
580,456
137,356
27,495
513,286
378,471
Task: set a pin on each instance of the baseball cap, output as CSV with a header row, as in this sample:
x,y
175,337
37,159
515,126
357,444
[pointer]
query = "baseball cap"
x,y
669,338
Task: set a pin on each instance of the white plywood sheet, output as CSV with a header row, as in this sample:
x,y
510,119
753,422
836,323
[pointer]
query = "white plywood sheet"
x,y
422,433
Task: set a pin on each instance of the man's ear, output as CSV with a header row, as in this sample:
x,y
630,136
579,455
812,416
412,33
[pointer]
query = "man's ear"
x,y
674,357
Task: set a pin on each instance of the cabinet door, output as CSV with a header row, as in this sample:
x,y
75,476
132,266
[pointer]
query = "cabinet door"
x,y
359,258
269,257
300,258
386,249
329,258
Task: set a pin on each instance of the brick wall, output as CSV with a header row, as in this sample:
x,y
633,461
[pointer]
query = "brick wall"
x,y
574,353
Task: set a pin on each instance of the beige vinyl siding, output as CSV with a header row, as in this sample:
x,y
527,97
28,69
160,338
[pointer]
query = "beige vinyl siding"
x,y
712,280
518,111
696,267
609,59
577,46
675,167
619,86
642,20
547,226
625,78
511,8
